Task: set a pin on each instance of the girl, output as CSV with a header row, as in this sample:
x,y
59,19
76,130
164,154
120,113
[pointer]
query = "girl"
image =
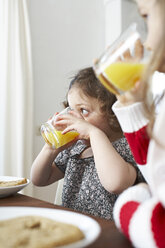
x,y
140,211
99,165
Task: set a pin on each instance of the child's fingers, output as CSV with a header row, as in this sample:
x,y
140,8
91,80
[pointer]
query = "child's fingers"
x,y
138,87
68,129
119,59
68,118
55,114
62,122
63,118
51,118
127,55
139,50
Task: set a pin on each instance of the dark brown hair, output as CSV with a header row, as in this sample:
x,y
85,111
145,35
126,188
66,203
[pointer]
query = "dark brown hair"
x,y
86,80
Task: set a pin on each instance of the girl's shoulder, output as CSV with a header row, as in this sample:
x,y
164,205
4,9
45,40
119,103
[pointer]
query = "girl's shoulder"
x,y
78,148
120,142
122,147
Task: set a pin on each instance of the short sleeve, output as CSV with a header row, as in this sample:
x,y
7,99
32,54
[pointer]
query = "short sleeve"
x,y
62,159
75,150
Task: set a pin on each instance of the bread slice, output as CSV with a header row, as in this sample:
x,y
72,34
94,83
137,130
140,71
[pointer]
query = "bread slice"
x,y
13,182
37,232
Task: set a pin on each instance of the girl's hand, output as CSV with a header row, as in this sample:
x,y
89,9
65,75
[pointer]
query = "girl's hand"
x,y
132,96
72,122
57,127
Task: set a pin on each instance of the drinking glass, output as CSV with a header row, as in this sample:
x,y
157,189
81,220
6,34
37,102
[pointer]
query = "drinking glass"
x,y
54,137
123,63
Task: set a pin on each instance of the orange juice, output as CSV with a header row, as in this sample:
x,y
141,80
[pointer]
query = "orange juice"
x,y
121,76
55,138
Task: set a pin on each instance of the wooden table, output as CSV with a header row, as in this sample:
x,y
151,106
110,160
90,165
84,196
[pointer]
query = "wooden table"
x,y
110,237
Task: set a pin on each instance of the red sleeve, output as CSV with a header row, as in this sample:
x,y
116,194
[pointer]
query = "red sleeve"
x,y
138,142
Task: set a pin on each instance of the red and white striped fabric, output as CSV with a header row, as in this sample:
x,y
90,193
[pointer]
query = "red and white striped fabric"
x,y
139,211
141,217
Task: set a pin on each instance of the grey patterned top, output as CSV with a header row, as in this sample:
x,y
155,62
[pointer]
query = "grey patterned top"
x,y
82,189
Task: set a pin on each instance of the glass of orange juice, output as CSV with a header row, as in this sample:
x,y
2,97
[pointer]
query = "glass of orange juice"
x,y
123,63
54,137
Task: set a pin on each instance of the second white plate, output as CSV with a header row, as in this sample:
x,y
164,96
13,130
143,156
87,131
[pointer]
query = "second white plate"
x,y
6,191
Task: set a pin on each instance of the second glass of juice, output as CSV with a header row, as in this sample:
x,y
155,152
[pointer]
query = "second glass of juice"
x,y
123,63
54,137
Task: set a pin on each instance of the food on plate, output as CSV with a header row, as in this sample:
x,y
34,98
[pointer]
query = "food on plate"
x,y
37,232
13,182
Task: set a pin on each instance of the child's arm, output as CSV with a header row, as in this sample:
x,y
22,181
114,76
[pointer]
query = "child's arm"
x,y
115,174
44,171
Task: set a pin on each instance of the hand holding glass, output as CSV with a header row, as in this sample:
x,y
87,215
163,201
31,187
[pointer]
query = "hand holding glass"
x,y
54,137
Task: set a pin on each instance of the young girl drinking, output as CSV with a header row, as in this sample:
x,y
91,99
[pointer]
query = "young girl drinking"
x,y
98,165
140,211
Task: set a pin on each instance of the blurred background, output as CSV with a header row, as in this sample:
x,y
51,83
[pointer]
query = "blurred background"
x,y
42,45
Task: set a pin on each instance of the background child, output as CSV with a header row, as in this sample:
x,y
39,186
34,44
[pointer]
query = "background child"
x,y
140,212
99,165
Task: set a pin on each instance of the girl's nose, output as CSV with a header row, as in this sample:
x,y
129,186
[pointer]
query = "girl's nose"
x,y
79,115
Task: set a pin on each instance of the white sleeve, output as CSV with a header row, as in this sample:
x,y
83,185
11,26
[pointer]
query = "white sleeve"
x,y
131,117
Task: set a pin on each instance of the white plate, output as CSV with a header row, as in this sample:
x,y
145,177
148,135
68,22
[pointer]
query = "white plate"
x,y
6,191
87,225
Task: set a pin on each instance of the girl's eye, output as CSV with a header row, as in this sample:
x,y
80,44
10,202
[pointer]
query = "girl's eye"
x,y
84,112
